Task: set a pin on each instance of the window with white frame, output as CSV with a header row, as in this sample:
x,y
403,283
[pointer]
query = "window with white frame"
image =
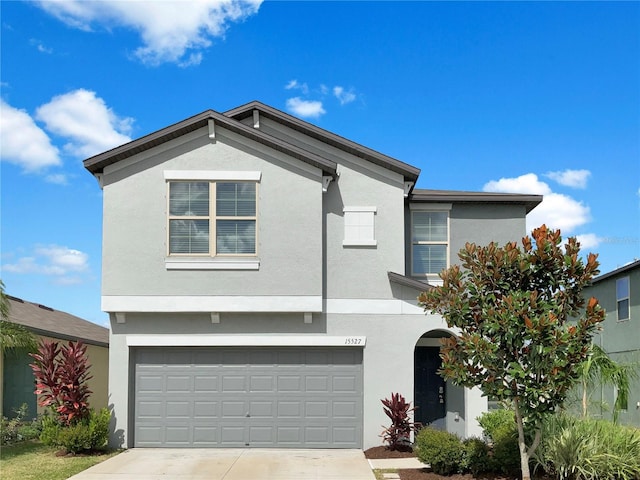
x,y
622,298
212,218
359,226
429,242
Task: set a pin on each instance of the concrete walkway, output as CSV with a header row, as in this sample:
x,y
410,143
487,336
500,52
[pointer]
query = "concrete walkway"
x,y
397,463
231,464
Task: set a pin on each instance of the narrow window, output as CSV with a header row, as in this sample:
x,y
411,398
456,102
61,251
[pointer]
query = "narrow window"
x,y
429,242
622,298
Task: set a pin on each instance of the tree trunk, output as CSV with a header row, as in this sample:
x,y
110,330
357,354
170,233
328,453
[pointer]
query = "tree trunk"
x,y
522,446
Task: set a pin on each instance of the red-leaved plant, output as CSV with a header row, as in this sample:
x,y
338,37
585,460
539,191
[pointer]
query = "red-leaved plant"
x,y
398,435
61,375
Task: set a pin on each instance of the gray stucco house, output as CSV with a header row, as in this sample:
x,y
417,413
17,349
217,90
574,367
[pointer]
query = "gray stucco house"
x,y
618,291
261,277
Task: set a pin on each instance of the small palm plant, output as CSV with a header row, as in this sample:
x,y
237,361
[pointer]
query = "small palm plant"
x,y
600,368
398,435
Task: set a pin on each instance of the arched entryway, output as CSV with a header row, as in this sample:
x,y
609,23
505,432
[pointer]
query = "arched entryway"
x,y
440,404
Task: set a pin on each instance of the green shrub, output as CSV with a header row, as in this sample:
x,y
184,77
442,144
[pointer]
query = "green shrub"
x,y
443,451
499,427
585,448
497,422
50,431
87,434
505,451
476,457
16,430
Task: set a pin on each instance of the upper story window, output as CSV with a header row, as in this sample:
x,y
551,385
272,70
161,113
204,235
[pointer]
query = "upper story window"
x,y
212,218
429,242
622,298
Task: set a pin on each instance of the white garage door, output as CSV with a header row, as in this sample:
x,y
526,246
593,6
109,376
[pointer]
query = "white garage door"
x,y
256,397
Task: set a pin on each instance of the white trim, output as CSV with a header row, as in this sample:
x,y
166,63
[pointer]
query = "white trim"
x,y
370,306
209,263
407,188
431,207
256,119
212,175
212,130
206,303
359,209
245,341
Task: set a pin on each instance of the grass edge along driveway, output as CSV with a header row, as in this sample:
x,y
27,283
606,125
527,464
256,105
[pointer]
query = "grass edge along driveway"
x,y
33,461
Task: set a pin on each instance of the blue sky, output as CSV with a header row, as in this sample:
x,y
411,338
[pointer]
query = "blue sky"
x,y
510,96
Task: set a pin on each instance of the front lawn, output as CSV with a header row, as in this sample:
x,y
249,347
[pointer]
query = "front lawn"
x,y
34,461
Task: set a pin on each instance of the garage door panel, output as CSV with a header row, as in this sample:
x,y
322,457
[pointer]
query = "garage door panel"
x,y
234,383
260,397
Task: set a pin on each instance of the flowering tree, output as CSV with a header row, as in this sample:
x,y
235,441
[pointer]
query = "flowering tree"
x,y
524,328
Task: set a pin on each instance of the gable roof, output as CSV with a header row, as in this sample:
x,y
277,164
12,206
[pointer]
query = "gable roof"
x,y
409,172
456,196
623,269
46,321
97,163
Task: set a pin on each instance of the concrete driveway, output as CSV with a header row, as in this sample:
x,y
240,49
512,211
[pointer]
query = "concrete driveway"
x,y
231,464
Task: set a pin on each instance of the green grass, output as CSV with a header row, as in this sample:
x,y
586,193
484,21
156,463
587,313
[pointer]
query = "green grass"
x,y
379,472
34,461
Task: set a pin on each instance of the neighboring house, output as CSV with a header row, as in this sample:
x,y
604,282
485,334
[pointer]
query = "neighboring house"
x,y
261,277
619,294
46,323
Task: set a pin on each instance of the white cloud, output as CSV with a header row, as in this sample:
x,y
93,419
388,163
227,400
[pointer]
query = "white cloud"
x,y
51,260
58,178
343,96
589,240
295,85
23,142
40,46
170,30
305,108
571,178
86,120
557,211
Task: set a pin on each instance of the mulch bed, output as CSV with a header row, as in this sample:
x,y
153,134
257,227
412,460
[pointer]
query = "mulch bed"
x,y
376,453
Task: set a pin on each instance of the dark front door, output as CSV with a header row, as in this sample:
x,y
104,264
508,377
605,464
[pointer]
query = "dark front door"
x,y
430,388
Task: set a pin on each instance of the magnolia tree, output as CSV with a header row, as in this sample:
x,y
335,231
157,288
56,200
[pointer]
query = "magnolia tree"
x,y
524,325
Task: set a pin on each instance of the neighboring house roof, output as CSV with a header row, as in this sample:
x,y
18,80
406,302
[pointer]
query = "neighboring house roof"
x,y
410,172
97,163
46,321
625,268
409,282
456,196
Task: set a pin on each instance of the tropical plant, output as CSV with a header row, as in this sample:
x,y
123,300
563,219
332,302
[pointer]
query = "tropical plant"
x,y
398,435
601,369
61,379
12,335
524,328
585,448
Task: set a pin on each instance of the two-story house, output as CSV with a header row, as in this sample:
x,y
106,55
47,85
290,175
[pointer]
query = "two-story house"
x,y
261,277
618,291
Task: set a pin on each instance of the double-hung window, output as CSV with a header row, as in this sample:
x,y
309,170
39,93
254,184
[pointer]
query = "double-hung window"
x,y
622,298
429,242
212,218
